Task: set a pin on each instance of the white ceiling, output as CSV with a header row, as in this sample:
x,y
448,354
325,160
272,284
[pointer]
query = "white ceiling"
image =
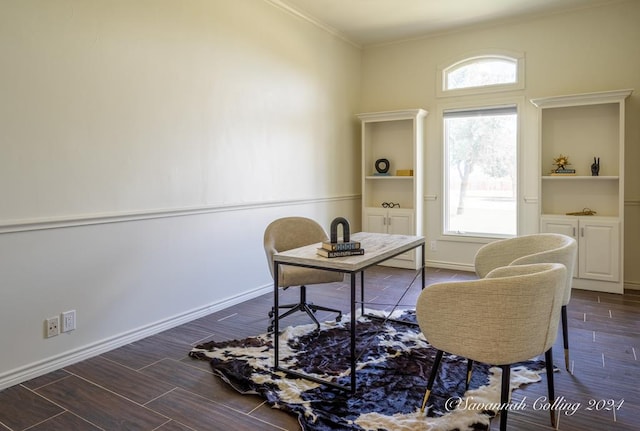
x,y
366,22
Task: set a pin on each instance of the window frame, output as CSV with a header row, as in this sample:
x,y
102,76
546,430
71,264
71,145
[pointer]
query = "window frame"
x,y
477,103
454,63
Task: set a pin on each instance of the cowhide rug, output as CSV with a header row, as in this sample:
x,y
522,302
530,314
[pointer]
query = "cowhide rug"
x,y
393,367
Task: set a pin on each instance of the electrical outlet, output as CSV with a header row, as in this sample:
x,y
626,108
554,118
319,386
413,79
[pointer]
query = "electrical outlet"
x,y
433,245
52,326
68,320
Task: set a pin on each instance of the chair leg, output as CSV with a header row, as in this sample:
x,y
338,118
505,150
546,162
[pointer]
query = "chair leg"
x,y
432,379
548,357
469,372
565,337
315,308
307,309
292,308
302,305
504,395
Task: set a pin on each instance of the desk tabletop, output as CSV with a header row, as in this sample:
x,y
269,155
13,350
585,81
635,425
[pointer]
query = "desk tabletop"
x,y
378,247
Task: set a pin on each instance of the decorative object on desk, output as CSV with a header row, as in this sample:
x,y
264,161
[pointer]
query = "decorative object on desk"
x,y
393,368
561,163
346,232
337,248
595,167
382,166
584,212
404,172
390,205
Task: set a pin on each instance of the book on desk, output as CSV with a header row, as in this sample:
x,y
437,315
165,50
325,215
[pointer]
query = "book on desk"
x,y
340,253
341,245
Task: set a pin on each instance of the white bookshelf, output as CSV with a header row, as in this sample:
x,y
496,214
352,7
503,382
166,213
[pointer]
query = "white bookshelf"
x,y
398,137
584,126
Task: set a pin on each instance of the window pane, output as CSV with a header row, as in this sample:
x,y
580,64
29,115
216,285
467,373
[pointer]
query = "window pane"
x,y
481,172
481,72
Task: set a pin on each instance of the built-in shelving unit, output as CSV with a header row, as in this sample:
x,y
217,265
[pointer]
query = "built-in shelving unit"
x,y
398,137
584,127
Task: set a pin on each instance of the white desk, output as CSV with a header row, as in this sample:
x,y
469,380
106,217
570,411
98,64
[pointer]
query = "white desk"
x,y
378,248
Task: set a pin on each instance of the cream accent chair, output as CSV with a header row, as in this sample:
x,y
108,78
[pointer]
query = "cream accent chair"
x,y
527,249
288,233
510,315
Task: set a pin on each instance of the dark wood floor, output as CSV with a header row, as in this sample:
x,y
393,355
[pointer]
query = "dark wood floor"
x,y
152,384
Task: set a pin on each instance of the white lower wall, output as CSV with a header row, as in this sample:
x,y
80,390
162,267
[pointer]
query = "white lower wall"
x,y
130,279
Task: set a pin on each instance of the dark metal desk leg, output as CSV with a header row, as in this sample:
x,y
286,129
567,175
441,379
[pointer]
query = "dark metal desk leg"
x,y
353,332
276,315
362,292
423,266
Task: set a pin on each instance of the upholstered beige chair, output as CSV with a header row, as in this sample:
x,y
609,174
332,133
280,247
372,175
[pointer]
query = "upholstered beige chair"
x,y
289,233
510,315
527,249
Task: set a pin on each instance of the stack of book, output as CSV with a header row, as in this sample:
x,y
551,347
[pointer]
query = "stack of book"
x,y
340,249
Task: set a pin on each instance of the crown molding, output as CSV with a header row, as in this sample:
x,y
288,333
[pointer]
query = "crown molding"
x,y
306,17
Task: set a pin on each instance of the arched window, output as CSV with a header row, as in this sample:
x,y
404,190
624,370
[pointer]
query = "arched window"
x,y
482,73
480,135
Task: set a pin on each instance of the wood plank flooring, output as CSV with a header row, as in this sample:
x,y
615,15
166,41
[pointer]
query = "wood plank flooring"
x,y
153,385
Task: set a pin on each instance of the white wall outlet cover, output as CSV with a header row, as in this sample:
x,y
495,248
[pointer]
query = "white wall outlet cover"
x,y
52,326
68,321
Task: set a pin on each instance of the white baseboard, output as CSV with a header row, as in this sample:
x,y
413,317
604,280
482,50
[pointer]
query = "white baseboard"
x,y
36,369
631,285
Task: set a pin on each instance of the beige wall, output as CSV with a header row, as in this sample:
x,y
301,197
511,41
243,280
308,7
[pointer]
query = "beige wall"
x,y
137,105
145,145
585,51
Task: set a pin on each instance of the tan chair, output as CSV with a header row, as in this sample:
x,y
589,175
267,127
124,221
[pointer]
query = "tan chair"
x,y
511,315
528,249
289,233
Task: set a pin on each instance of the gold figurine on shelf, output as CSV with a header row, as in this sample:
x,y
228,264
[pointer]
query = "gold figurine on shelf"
x,y
561,163
584,212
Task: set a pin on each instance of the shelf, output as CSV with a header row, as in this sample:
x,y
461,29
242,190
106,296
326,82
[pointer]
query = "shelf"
x,y
369,207
389,177
581,177
596,217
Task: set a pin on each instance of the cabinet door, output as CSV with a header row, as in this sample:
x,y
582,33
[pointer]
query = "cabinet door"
x,y
562,226
375,220
598,250
400,222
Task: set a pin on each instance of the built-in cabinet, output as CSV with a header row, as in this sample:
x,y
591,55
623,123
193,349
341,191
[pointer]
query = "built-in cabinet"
x,y
598,244
392,200
587,128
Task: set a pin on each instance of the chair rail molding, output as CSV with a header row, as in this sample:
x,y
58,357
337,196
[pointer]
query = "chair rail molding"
x,y
25,225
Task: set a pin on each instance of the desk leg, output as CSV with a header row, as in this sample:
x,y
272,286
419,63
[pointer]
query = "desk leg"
x,y
424,280
353,332
276,315
362,292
